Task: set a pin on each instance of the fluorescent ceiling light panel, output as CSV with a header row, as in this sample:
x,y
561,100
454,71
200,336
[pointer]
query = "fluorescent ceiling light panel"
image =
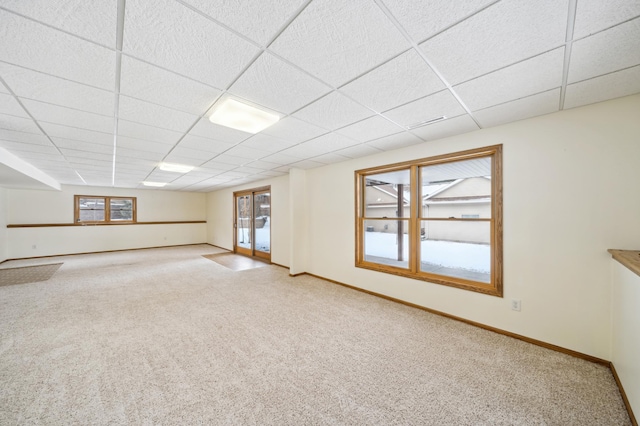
x,y
178,168
239,116
157,184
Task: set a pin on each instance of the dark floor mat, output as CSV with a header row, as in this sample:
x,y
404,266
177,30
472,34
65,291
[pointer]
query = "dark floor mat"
x,y
27,274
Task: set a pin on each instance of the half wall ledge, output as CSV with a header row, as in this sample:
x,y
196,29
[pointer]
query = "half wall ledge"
x,y
628,258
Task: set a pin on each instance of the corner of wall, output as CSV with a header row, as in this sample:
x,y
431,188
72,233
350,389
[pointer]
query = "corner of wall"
x,y
4,249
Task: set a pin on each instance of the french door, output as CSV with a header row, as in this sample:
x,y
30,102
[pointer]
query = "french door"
x,y
252,222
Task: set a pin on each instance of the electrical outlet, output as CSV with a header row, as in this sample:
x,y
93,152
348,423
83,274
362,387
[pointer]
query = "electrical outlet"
x,y
33,246
516,305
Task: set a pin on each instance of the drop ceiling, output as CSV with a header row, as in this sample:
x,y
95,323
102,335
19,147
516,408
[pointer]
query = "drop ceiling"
x,y
99,92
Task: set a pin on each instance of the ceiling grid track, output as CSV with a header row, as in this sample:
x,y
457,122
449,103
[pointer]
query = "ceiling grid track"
x,y
116,90
571,20
416,47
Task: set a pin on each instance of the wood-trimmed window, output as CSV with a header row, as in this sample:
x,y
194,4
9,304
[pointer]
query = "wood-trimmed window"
x,y
436,219
101,209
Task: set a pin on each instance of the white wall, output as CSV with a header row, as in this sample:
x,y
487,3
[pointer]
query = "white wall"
x,y
220,217
3,225
569,194
626,323
37,207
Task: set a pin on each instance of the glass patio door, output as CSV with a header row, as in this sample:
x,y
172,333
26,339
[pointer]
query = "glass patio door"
x,y
252,223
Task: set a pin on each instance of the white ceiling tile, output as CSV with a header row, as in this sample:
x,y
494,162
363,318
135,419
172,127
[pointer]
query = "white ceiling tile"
x,y
605,52
14,147
26,43
141,154
149,83
263,165
16,136
258,21
42,87
74,155
133,162
503,34
82,145
206,129
95,20
10,106
337,41
596,15
196,154
401,80
149,133
142,145
320,145
214,167
535,75
68,117
425,20
19,124
280,158
399,140
248,169
204,144
428,108
229,159
330,158
274,84
358,151
294,130
271,173
267,143
200,49
542,103
370,128
246,152
334,111
598,89
306,164
154,115
57,130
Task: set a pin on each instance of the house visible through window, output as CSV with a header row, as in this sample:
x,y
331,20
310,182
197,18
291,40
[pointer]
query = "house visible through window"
x,y
437,219
98,209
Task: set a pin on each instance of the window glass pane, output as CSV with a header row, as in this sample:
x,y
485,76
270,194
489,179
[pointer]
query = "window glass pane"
x,y
460,189
388,194
262,221
456,248
387,242
243,221
121,209
91,209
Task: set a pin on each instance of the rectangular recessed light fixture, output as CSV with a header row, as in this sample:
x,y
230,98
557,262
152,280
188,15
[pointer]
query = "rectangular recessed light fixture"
x,y
425,122
239,116
156,184
178,168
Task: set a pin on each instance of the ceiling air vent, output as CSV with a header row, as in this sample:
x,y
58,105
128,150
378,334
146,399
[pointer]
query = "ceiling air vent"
x,y
425,122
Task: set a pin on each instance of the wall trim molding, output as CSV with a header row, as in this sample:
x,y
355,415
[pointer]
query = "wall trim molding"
x,y
103,251
48,225
634,422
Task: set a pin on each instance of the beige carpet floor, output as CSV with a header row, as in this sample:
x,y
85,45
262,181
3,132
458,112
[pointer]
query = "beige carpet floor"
x,y
165,336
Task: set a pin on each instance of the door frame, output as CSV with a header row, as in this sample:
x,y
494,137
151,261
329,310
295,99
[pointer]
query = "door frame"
x,y
251,252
